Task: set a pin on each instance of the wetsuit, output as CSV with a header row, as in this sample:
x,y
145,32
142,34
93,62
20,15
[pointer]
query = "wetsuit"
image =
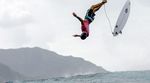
x,y
89,17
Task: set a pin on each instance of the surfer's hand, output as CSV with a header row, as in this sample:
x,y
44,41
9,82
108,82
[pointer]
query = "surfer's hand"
x,y
76,35
74,14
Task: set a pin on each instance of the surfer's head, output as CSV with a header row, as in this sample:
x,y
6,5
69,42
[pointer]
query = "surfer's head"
x,y
83,36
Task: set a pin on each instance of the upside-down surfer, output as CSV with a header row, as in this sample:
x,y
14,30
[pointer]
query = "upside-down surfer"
x,y
89,17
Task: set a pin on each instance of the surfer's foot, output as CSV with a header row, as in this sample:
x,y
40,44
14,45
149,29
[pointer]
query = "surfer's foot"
x,y
104,1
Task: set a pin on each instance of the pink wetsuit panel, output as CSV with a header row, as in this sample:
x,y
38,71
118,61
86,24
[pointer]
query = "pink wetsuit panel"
x,y
85,26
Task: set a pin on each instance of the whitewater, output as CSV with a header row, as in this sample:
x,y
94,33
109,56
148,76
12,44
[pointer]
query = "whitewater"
x,y
116,77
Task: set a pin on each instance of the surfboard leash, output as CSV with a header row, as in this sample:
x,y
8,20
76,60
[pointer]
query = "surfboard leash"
x,y
110,24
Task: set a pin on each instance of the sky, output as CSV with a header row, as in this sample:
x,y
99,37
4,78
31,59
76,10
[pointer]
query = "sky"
x,y
49,24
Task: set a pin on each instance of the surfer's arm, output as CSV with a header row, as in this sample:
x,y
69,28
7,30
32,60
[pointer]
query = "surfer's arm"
x,y
76,35
79,18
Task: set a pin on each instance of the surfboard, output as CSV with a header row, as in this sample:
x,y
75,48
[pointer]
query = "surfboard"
x,y
122,19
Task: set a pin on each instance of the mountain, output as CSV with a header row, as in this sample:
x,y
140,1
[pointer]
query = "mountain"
x,y
39,63
7,74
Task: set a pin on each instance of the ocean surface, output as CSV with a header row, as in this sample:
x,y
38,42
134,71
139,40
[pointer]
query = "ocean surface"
x,y
116,77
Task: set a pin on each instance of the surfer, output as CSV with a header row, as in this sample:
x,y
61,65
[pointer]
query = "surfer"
x,y
89,17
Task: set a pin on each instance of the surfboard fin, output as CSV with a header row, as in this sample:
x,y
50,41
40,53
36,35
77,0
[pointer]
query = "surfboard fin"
x,y
120,32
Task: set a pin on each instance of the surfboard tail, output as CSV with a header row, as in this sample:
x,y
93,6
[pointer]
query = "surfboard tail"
x,y
114,34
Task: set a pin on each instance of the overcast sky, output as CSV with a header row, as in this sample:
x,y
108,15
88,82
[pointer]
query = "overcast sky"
x,y
49,24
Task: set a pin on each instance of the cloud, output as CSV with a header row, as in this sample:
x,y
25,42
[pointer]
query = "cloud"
x,y
13,14
14,18
25,23
13,37
19,19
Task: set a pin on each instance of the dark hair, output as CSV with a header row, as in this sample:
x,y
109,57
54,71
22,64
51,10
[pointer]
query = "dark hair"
x,y
83,36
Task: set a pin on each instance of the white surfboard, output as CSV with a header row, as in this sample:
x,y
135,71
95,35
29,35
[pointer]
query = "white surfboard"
x,y
122,19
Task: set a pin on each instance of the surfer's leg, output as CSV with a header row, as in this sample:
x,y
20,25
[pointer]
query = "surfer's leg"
x,y
98,6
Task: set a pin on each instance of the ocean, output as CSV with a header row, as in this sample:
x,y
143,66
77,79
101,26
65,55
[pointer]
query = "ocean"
x,y
114,77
